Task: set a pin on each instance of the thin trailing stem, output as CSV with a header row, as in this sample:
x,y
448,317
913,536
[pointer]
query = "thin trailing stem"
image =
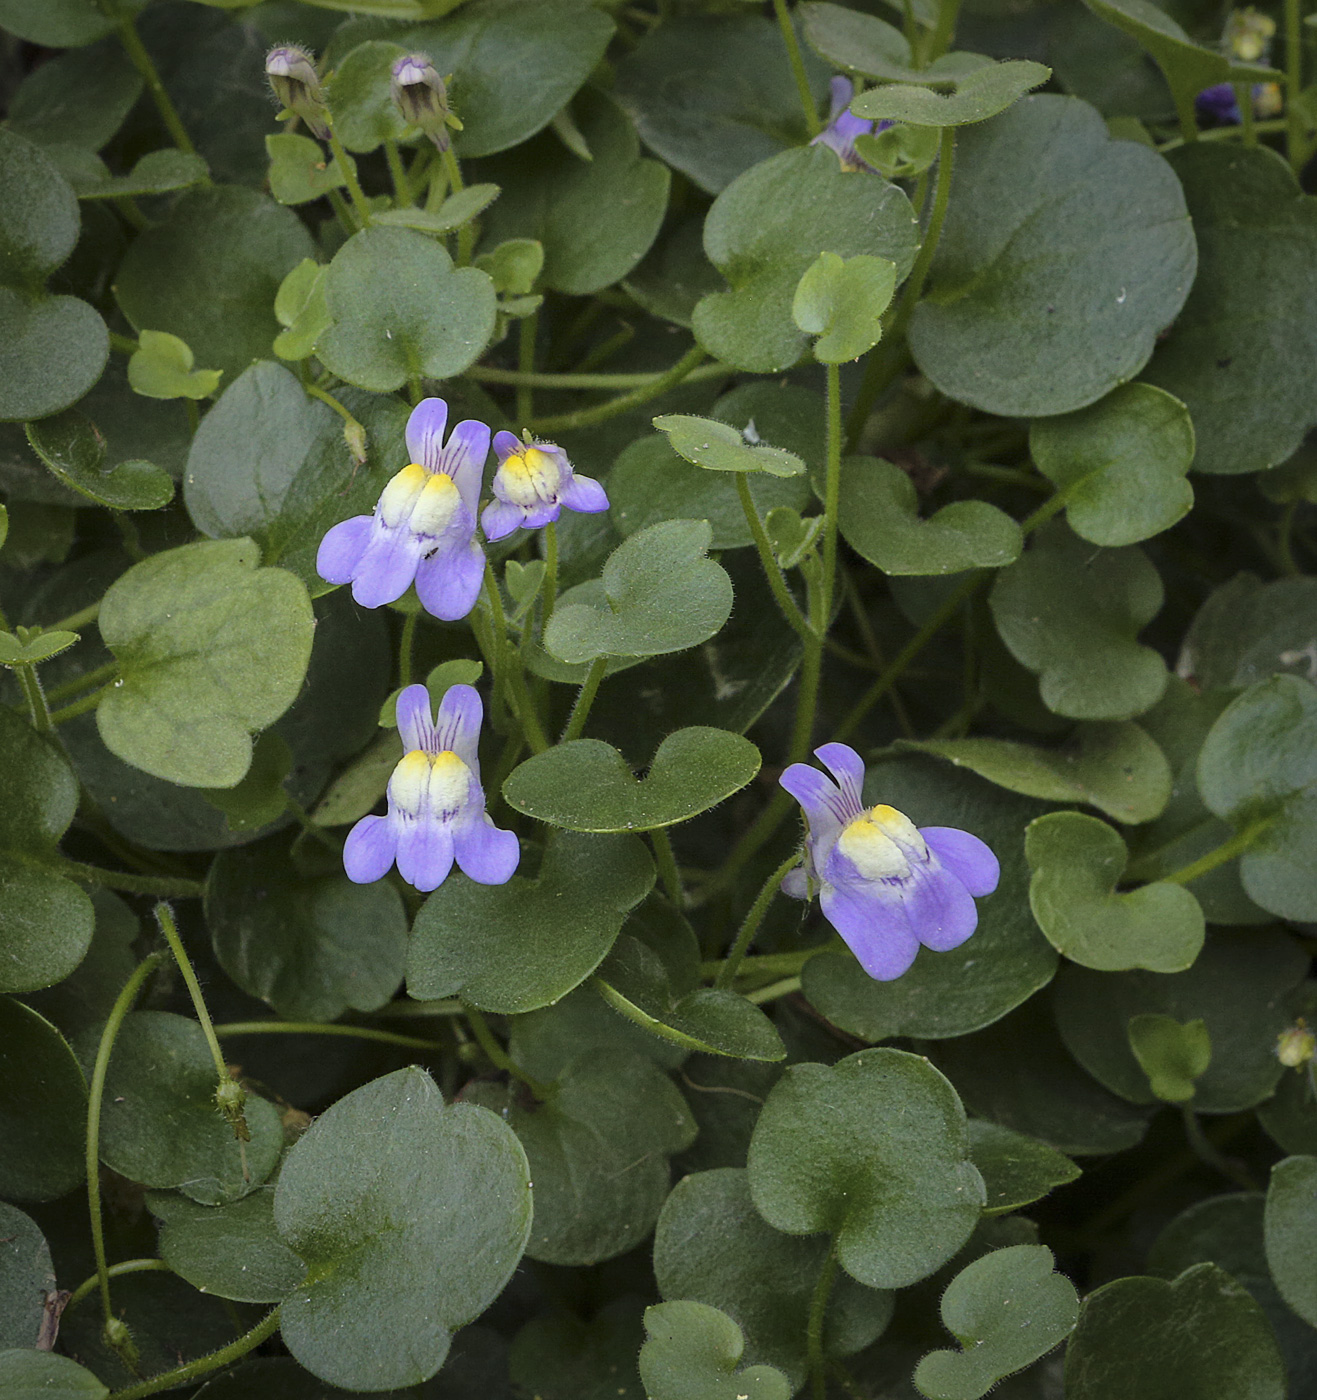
x,y
488,1042
502,660
122,1004
164,916
401,184
624,403
129,1266
797,62
347,165
584,699
466,235
549,588
203,1365
527,332
745,936
1225,852
412,1042
818,1309
667,865
832,490
82,618
543,379
80,706
330,401
162,886
784,988
776,582
30,684
141,60
406,646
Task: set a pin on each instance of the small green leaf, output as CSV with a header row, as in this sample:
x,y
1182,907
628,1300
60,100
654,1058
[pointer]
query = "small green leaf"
x,y
456,210
659,592
1017,1170
300,306
879,517
27,1276
562,1356
1071,614
514,947
513,265
36,649
718,447
299,170
1172,1054
158,172
587,785
359,95
693,1353
874,1150
979,94
1290,1226
841,300
74,449
161,368
792,537
1077,862
211,648
1006,1310
408,1234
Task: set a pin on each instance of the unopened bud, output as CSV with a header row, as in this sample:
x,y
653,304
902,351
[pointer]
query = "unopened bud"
x,y
1296,1046
355,437
292,75
230,1099
420,95
120,1341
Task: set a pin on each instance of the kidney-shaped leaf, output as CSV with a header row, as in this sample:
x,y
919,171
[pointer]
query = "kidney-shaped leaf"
x,y
874,1150
1026,311
74,449
1016,1169
411,1216
694,1349
43,1107
211,647
981,93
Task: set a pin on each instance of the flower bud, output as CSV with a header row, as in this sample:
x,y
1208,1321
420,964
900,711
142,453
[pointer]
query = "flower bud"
x,y
230,1098
292,75
120,1341
1296,1046
420,95
354,435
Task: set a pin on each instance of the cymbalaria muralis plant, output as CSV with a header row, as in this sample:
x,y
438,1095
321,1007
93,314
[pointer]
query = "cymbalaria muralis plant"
x,y
658,699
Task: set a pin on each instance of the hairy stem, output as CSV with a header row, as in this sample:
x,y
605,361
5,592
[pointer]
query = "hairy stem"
x,y
797,62
584,700
727,973
203,1365
776,582
818,1308
233,1028
624,403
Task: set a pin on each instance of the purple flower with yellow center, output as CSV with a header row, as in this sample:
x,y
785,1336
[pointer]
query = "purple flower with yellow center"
x,y
424,526
436,804
844,126
886,885
534,481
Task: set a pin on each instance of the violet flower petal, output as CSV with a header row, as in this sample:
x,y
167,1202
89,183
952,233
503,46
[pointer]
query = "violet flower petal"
x,y
970,860
369,850
873,922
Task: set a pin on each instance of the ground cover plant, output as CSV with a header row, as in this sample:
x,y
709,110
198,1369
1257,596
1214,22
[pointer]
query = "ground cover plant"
x,y
657,726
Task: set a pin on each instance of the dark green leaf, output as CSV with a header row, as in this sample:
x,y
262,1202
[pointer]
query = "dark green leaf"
x,y
158,172
559,1356
1248,630
41,1375
979,94
693,1353
79,98
73,447
27,1278
43,1107
864,44
359,93
57,23
1291,1233
1016,1170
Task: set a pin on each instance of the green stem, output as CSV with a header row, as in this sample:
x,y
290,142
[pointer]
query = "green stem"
x,y
769,964
1294,134
807,699
466,235
1209,1154
624,403
141,60
727,973
488,1042
125,345
1226,851
122,1004
406,645
1184,110
832,493
667,865
348,166
527,713
946,27
81,705
341,212
776,582
162,886
327,398
30,684
526,364
74,621
636,1016
549,588
412,1042
502,661
584,699
818,1308
771,993
401,185
797,61
542,379
203,1365
164,916
129,1266
410,1010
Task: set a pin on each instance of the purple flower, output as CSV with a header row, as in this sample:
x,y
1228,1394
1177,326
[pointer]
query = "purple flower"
x,y
844,126
436,804
293,78
886,886
421,96
424,525
533,482
1218,104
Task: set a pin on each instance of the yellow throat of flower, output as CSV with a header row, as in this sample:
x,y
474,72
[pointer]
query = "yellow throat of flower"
x,y
530,476
876,843
424,500
442,781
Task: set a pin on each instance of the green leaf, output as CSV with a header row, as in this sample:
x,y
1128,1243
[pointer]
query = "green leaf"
x,y
43,1107
874,1150
159,1123
981,93
1072,615
587,785
514,265
712,1246
57,24
1258,771
659,592
1236,988
879,517
1248,630
685,87
210,648
841,300
516,64
511,948
793,538
718,447
232,1251
74,449
300,307
26,1277
1116,768
299,171
692,1353
1077,862
312,946
598,1150
1016,1170
456,210
41,1375
260,798
1144,1339
359,93
79,98
1291,1233
86,995
560,1356
407,1235
46,921
767,228
52,350
595,220
40,222
1006,1310
1025,312
1172,1054
1006,961
864,44
158,172
1233,355
209,273
399,309
1120,464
